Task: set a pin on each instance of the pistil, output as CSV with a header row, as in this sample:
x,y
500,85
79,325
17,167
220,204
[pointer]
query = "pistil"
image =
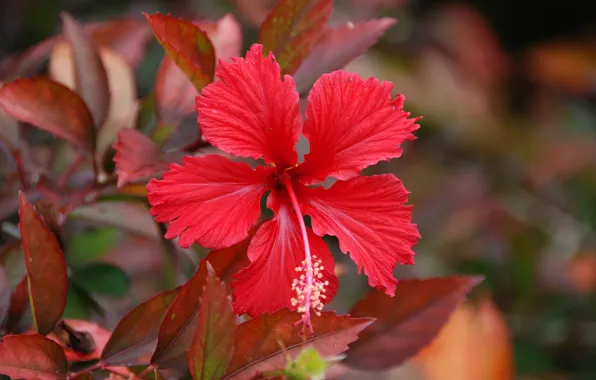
x,y
306,285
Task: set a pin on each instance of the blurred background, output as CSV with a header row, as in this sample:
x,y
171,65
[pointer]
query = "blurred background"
x,y
502,175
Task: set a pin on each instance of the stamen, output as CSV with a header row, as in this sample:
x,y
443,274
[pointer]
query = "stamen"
x,y
308,285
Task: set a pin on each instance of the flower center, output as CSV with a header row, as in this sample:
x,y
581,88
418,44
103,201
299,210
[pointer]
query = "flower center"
x,y
308,286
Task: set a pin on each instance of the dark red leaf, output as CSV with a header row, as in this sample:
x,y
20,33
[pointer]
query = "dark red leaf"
x,y
258,348
22,64
338,47
213,344
187,45
31,357
137,156
174,92
83,376
50,106
407,322
47,212
176,331
5,295
9,131
46,268
18,305
134,338
228,261
128,37
90,74
292,28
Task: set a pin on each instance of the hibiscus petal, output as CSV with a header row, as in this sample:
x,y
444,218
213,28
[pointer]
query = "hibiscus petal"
x,y
251,112
370,220
275,252
210,200
352,123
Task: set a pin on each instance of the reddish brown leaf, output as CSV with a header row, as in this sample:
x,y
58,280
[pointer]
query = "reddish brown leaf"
x,y
213,344
174,92
338,47
292,28
24,63
18,305
258,348
187,45
46,268
9,131
407,322
176,331
5,295
31,357
50,106
137,156
128,37
90,74
134,338
227,261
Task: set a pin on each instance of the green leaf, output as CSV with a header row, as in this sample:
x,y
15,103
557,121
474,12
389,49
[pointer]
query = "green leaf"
x,y
92,245
307,365
102,278
291,30
76,306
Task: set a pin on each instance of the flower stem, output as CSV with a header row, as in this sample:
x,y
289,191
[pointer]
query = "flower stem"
x,y
309,276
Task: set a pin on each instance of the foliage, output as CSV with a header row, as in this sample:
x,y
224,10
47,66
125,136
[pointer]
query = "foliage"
x,y
112,144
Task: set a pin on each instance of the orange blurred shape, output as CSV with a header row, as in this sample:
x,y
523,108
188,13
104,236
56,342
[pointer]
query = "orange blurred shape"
x,y
581,272
473,345
568,66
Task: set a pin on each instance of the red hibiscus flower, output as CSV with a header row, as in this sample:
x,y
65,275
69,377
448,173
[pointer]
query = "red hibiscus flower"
x,y
251,112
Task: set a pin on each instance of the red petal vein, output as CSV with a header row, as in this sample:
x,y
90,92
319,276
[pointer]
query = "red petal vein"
x,y
251,112
352,123
210,200
275,252
370,220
